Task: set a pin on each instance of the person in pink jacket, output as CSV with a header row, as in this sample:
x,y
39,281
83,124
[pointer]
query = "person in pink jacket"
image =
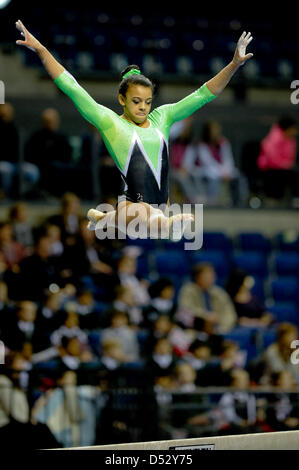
x,y
277,157
278,148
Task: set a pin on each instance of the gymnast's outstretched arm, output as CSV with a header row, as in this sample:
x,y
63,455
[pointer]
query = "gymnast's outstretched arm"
x,y
217,84
92,111
53,67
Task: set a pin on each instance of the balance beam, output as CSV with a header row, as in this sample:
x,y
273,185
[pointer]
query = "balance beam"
x,y
286,440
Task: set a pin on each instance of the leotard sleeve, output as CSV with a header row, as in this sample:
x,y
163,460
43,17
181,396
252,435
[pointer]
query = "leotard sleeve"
x,y
188,105
95,113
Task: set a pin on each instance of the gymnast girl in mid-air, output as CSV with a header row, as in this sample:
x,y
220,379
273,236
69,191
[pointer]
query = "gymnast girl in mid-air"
x,y
138,139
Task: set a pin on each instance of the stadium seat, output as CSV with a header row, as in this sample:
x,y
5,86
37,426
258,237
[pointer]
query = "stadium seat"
x,y
94,339
287,241
268,337
254,263
285,289
245,338
287,264
253,241
171,262
285,311
217,258
217,241
144,243
258,288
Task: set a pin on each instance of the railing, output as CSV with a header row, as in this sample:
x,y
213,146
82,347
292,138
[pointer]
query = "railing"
x,y
83,415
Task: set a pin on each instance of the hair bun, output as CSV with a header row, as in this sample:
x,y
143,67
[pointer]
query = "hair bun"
x,y
128,68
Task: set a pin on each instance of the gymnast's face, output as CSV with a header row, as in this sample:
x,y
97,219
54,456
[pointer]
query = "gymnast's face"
x,y
137,104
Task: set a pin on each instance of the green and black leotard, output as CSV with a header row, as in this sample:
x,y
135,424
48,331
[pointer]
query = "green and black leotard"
x,y
141,154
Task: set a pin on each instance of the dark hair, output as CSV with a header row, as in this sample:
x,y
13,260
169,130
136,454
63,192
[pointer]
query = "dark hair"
x,y
135,79
235,281
286,122
206,130
198,268
157,287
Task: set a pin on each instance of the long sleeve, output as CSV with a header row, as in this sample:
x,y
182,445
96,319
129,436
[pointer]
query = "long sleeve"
x,y
93,112
188,105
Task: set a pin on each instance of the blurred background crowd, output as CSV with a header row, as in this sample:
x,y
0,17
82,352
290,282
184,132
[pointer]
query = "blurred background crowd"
x,y
110,341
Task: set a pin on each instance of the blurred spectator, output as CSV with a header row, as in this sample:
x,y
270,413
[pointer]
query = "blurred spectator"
x,y
250,310
69,217
236,410
87,309
127,272
13,251
162,302
199,354
124,301
277,357
73,351
50,314
89,264
49,150
10,164
277,159
282,410
6,306
22,327
202,302
38,271
185,393
15,413
162,360
53,232
99,166
211,161
71,411
120,329
22,228
14,403
185,376
179,338
112,354
216,372
181,136
70,327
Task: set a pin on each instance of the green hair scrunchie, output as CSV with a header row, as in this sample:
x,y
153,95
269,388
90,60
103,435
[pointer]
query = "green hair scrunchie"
x,y
132,72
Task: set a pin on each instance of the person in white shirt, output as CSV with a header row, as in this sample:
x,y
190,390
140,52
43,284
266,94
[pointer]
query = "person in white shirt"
x,y
211,163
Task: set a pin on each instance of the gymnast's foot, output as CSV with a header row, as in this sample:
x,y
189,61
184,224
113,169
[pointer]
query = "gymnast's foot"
x,y
178,225
94,217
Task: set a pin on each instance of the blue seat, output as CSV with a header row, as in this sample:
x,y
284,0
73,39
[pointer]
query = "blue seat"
x,y
143,269
287,264
147,244
285,289
171,262
258,288
287,241
217,241
268,337
254,263
245,338
253,241
285,311
94,339
217,258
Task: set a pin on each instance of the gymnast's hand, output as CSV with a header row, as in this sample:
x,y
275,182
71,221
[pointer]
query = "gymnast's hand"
x,y
240,56
30,41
